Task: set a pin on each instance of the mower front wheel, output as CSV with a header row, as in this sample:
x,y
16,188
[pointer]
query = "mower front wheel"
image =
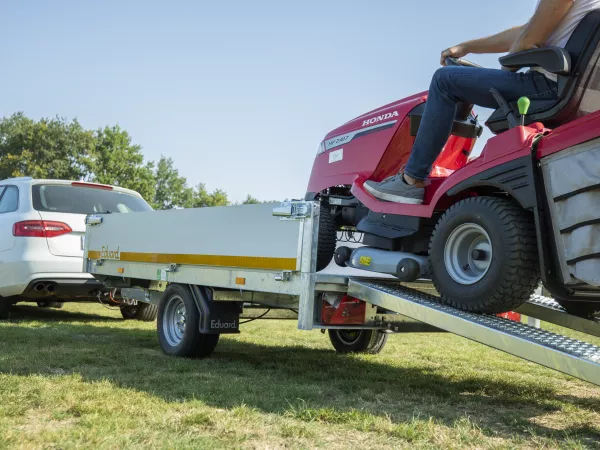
x,y
483,255
327,239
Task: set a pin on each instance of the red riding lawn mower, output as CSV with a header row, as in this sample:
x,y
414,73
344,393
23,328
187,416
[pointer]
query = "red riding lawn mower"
x,y
527,209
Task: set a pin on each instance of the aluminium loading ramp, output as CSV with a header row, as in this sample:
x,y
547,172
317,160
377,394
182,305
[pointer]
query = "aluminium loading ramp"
x,y
571,356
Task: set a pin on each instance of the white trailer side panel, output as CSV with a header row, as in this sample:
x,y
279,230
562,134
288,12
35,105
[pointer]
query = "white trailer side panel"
x,y
246,236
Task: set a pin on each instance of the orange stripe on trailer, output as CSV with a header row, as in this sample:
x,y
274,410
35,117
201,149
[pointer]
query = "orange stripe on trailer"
x,y
250,262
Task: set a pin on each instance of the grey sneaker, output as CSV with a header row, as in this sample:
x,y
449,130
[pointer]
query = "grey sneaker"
x,y
395,189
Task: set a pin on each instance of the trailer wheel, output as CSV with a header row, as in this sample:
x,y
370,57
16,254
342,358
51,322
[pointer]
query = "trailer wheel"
x,y
142,311
327,239
483,255
358,341
178,325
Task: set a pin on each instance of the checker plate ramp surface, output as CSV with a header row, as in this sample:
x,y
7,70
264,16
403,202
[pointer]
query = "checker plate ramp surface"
x,y
548,310
573,357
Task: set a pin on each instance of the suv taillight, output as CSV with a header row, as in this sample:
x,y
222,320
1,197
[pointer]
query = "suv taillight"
x,y
40,228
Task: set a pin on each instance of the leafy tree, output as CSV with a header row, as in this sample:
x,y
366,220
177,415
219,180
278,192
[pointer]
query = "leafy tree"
x,y
118,162
57,148
250,200
50,148
202,198
171,188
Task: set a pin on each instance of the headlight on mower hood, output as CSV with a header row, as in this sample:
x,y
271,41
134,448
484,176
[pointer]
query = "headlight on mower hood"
x,y
321,148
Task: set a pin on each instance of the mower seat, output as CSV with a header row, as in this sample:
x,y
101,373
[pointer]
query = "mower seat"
x,y
577,67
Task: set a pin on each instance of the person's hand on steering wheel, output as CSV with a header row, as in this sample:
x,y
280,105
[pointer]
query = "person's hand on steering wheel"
x,y
458,51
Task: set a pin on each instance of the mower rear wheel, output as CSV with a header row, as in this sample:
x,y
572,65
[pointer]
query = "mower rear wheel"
x,y
327,240
483,255
358,341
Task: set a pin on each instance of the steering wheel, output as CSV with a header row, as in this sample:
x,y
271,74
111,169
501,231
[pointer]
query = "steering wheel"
x,y
450,61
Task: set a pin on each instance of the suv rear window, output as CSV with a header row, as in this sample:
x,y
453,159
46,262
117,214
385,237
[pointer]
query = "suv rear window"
x,y
63,198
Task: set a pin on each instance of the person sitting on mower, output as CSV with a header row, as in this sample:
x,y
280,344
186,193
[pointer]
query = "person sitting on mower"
x,y
551,25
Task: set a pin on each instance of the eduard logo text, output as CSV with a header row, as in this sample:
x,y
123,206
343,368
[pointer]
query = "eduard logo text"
x,y
107,253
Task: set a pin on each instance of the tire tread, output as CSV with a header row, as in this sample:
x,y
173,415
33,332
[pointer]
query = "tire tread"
x,y
521,274
327,240
371,342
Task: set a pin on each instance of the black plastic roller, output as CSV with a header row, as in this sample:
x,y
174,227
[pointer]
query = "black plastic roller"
x,y
408,270
342,256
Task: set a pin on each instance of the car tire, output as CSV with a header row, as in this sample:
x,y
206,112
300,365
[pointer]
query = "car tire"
x,y
144,312
358,341
50,304
5,306
483,255
184,340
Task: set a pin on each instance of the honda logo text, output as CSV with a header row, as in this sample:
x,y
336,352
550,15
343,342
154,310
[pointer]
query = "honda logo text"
x,y
373,120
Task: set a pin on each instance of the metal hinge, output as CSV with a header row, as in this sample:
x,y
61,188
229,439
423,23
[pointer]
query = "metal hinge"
x,y
172,268
286,275
93,220
293,210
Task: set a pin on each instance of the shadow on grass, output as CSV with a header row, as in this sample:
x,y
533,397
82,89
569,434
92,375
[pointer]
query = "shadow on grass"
x,y
282,380
26,312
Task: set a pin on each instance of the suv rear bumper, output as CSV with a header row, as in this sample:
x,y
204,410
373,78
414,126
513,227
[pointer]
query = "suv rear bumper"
x,y
17,276
49,287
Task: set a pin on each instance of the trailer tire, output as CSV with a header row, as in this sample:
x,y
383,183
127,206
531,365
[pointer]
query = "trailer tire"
x,y
177,305
483,255
144,312
327,239
358,341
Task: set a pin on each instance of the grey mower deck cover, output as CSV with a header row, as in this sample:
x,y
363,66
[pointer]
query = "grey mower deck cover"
x,y
573,189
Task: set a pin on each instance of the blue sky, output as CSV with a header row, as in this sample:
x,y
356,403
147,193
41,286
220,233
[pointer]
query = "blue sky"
x,y
238,93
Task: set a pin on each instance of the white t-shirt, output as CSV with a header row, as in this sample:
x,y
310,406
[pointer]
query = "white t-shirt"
x,y
565,28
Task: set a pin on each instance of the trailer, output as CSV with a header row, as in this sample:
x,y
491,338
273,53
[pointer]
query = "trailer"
x,y
202,267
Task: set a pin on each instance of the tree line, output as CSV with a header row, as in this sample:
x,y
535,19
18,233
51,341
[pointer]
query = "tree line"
x,y
60,149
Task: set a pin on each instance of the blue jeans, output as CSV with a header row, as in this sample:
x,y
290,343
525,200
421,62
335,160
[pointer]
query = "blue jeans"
x,y
454,84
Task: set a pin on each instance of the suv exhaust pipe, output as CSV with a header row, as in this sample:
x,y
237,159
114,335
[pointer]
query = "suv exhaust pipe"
x,y
44,287
40,287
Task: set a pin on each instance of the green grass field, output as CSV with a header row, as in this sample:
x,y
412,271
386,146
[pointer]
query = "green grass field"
x,y
83,377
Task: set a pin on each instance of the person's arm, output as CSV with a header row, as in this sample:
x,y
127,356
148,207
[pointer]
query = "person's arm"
x,y
497,43
546,19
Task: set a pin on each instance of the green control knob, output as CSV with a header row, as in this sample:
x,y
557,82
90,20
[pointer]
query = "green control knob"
x,y
523,103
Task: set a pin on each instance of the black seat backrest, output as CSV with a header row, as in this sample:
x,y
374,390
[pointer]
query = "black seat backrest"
x,y
579,92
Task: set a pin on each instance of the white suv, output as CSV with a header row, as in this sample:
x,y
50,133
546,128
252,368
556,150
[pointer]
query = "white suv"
x,y
42,228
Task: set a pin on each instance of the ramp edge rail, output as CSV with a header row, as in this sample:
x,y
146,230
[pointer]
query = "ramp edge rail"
x,y
570,356
546,309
